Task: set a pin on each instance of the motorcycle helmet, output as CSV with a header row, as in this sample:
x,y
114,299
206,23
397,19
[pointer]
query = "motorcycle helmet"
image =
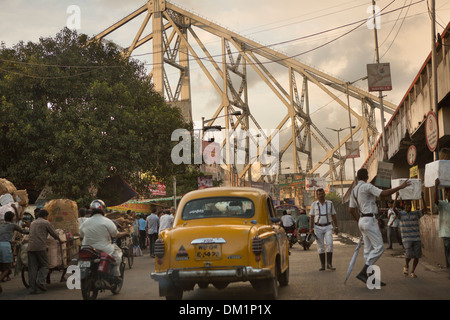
x,y
310,238
98,206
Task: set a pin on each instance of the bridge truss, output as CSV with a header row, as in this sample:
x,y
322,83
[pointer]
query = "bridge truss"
x,y
175,37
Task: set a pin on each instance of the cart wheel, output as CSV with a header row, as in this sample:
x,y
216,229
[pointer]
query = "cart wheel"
x,y
25,277
130,256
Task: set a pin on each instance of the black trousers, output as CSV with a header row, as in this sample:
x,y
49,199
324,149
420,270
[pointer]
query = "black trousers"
x,y
142,239
152,237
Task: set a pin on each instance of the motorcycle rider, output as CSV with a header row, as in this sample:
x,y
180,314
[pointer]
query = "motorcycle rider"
x,y
98,232
302,224
287,222
303,220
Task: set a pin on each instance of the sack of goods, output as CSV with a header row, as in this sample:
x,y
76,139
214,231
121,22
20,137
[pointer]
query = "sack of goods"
x,y
411,192
123,220
57,252
63,214
437,169
12,199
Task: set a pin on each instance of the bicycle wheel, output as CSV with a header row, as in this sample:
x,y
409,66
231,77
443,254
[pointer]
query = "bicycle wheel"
x,y
130,255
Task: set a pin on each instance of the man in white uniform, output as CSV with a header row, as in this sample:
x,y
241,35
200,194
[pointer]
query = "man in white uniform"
x,y
323,216
363,197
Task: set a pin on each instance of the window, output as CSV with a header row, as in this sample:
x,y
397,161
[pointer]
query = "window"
x,y
218,207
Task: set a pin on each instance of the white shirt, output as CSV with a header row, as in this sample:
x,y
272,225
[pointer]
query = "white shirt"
x,y
321,213
287,220
366,195
391,221
152,223
97,232
165,222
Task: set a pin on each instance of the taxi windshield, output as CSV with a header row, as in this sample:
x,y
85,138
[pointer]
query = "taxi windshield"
x,y
218,207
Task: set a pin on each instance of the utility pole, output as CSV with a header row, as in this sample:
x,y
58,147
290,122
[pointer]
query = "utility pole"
x,y
435,101
380,93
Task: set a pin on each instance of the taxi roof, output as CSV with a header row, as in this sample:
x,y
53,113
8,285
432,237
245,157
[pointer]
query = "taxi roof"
x,y
225,191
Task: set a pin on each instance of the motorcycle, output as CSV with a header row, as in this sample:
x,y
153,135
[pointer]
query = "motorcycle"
x,y
291,233
96,273
305,239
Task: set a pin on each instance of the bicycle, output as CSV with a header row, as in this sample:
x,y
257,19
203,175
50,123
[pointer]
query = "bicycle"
x,y
126,246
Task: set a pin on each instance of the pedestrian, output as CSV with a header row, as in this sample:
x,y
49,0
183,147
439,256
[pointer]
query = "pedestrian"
x,y
37,251
393,225
152,227
363,198
323,220
142,232
7,230
165,220
410,230
444,220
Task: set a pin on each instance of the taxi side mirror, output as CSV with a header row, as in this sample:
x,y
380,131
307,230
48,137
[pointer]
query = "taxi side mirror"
x,y
275,219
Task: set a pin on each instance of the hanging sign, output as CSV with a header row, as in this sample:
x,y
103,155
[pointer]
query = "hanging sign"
x,y
431,131
379,77
411,155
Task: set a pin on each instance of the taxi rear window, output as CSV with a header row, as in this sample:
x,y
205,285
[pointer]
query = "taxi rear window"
x,y
218,207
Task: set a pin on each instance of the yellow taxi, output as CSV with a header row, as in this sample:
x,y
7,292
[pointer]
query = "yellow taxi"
x,y
222,235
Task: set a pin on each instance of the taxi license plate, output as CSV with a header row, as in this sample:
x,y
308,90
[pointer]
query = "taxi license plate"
x,y
84,264
211,251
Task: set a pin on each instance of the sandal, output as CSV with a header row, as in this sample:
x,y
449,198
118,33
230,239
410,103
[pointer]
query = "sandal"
x,y
413,275
405,271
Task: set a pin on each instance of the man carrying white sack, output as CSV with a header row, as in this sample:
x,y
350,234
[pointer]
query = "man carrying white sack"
x,y
444,220
363,198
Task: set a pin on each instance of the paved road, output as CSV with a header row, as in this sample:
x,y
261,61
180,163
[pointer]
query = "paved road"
x,y
306,282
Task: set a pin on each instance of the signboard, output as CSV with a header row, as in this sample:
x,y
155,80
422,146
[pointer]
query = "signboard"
x,y
384,173
414,172
352,149
431,131
133,206
205,182
379,77
411,155
314,183
157,189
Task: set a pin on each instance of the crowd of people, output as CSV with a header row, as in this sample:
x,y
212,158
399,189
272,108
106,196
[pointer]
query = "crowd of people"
x,y
147,227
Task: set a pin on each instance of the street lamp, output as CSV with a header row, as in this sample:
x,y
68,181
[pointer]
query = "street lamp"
x,y
340,157
236,113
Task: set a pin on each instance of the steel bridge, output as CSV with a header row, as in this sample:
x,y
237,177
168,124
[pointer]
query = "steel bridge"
x,y
175,37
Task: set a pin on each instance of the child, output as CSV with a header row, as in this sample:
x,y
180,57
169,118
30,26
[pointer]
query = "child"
x,y
409,228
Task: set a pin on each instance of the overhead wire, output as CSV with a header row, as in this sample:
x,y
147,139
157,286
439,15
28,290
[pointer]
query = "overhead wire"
x,y
358,24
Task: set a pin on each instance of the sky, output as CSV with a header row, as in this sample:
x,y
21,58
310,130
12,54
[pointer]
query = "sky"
x,y
404,39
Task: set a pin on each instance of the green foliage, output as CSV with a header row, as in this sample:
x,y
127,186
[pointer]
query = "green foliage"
x,y
74,112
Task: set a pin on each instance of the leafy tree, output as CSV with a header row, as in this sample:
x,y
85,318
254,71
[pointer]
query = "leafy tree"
x,y
73,112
